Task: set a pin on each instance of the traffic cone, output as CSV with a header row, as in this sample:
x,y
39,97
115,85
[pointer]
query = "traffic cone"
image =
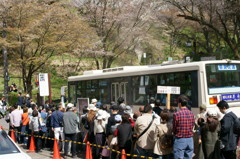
x,y
13,135
88,151
32,147
56,153
123,154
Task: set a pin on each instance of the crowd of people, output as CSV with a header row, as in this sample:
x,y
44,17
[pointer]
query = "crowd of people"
x,y
149,131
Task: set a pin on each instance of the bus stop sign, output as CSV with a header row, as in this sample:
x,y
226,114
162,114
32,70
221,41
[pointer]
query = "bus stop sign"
x,y
168,90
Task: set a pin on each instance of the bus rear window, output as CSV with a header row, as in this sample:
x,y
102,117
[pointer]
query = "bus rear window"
x,y
223,78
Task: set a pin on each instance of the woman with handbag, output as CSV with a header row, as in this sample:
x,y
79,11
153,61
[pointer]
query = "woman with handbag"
x,y
163,138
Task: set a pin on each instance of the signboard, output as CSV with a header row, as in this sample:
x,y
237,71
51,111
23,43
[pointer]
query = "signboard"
x,y
231,97
227,67
81,102
43,84
168,90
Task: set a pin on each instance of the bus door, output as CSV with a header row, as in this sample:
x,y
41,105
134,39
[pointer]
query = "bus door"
x,y
119,89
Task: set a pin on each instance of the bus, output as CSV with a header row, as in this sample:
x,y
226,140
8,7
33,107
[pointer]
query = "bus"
x,y
203,82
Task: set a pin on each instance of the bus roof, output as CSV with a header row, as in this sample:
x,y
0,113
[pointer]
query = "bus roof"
x,y
144,70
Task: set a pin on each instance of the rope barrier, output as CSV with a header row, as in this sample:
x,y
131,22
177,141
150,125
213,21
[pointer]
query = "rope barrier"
x,y
82,143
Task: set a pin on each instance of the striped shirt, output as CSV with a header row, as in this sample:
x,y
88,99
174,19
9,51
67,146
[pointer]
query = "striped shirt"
x,y
183,123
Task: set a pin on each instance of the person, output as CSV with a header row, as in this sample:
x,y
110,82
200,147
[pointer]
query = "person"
x,y
111,122
57,123
46,105
183,123
89,125
20,99
50,133
3,105
25,125
209,136
34,126
15,121
121,105
161,130
128,110
99,132
94,101
227,135
145,142
113,143
157,108
124,135
43,121
70,123
28,101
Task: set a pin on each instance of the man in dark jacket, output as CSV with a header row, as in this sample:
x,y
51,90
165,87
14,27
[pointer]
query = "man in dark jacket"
x,y
111,120
70,123
227,135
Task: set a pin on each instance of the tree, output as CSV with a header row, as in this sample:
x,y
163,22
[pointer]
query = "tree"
x,y
120,25
37,31
218,19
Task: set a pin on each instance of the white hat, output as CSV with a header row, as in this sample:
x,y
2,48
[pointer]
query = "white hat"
x,y
27,95
118,118
70,105
92,107
128,110
211,112
101,115
94,100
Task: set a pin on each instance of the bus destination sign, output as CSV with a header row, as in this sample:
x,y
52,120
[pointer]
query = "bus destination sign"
x,y
168,90
231,97
227,67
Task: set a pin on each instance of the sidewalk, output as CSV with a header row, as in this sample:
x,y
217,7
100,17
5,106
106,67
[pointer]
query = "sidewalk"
x,y
41,155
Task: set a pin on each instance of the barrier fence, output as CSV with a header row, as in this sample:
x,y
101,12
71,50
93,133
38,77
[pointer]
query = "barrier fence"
x,y
77,142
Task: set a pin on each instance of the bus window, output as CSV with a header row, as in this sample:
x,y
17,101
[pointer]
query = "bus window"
x,y
221,76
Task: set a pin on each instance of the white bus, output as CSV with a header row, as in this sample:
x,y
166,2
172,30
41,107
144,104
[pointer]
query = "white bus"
x,y
204,82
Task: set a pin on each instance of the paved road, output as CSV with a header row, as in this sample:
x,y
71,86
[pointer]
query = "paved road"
x,y
42,155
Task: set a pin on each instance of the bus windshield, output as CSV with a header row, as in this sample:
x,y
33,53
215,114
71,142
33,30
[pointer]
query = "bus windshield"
x,y
223,78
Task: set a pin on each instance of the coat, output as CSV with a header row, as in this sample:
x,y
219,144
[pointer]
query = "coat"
x,y
161,130
228,138
209,143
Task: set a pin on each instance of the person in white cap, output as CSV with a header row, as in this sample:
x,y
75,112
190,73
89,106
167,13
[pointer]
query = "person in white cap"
x,y
94,101
99,131
209,135
70,123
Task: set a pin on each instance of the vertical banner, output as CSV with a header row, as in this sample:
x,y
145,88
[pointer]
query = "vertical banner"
x,y
43,84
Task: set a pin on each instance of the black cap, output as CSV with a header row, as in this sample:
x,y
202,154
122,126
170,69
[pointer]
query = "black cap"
x,y
115,107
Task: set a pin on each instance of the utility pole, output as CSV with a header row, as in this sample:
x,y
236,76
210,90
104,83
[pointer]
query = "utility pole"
x,y
5,61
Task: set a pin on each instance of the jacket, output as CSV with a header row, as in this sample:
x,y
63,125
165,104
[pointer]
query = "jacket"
x,y
146,141
34,124
70,122
228,138
161,130
124,134
56,119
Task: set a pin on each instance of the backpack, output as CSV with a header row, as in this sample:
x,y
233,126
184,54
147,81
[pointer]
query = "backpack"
x,y
236,126
166,141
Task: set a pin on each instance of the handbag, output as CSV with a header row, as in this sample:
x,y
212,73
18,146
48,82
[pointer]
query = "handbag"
x,y
114,141
105,151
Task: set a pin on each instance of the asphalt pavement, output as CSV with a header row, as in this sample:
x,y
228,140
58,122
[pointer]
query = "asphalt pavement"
x,y
41,155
